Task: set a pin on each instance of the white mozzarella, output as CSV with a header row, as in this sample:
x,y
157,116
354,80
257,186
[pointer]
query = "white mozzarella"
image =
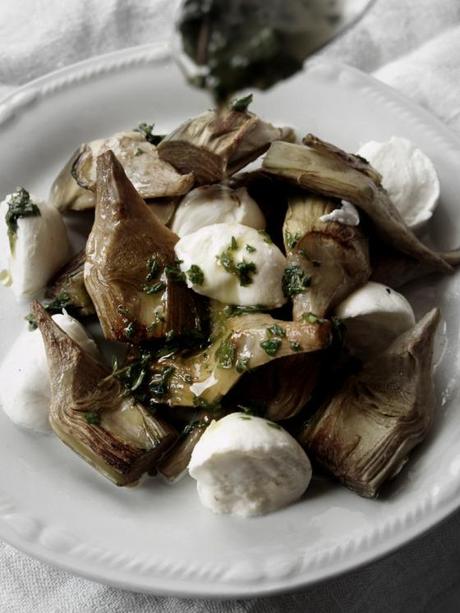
x,y
409,177
247,466
205,247
211,204
40,247
374,316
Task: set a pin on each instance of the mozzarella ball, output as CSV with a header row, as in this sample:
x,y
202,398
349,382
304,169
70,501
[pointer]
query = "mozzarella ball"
x,y
235,264
38,249
409,177
374,316
212,204
247,466
26,397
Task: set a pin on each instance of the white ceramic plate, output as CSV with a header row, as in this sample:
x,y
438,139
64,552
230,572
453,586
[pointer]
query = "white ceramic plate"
x,y
156,537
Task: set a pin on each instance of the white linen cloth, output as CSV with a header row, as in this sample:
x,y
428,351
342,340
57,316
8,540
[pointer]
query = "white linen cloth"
x,y
413,45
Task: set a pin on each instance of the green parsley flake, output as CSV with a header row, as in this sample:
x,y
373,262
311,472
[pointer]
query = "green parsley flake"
x,y
311,318
174,273
276,330
271,346
19,205
233,244
295,281
241,104
292,239
242,365
153,268
93,418
195,275
226,354
156,288
146,129
130,330
159,383
250,249
295,346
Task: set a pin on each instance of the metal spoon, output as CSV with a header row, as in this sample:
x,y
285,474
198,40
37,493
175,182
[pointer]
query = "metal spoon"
x,y
229,45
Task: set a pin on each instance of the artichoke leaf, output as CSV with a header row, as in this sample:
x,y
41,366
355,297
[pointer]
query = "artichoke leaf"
x,y
133,301
364,434
69,282
326,170
334,257
66,193
152,177
243,343
91,413
215,145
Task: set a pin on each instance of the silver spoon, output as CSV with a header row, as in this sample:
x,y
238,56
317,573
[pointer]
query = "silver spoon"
x,y
230,45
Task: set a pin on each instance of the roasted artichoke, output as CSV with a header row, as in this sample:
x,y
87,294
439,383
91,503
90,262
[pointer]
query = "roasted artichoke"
x,y
365,432
92,414
130,271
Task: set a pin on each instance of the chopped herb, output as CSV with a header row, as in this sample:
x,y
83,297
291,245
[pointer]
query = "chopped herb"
x,y
250,249
273,425
174,273
122,310
276,330
197,424
153,268
93,418
139,152
157,287
245,417
311,318
295,346
244,270
233,244
146,129
292,239
265,236
19,205
235,310
271,346
130,330
388,290
31,321
295,280
195,274
241,104
226,354
242,364
159,383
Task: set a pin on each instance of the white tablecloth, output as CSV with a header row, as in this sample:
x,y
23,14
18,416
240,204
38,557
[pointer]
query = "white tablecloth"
x,y
413,45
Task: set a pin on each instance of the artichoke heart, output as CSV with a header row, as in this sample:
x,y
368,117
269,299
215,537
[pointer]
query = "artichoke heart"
x,y
69,282
91,413
326,170
244,343
128,256
364,434
332,256
152,177
218,144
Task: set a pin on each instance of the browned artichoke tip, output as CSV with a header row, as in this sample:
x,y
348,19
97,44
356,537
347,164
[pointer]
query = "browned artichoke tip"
x,y
66,193
132,303
218,144
364,434
326,170
334,257
247,342
151,176
90,412
69,282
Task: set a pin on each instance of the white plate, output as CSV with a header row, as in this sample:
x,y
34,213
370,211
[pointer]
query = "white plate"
x,y
158,538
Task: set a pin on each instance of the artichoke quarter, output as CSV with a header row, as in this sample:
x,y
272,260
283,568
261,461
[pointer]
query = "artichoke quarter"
x,y
130,272
365,432
91,413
